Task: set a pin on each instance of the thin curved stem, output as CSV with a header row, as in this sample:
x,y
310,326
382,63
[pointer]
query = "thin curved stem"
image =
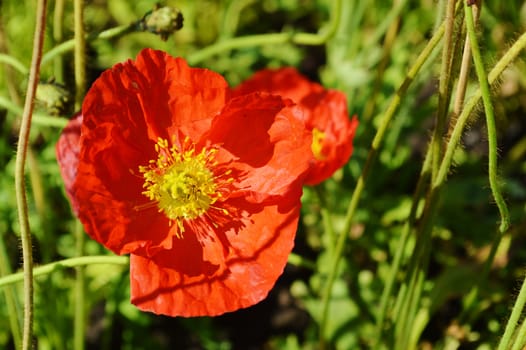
x,y
456,134
69,45
38,118
20,187
13,62
490,121
66,263
514,319
271,39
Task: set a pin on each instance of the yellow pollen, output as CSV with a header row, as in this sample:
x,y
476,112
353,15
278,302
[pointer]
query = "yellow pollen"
x,y
180,181
317,143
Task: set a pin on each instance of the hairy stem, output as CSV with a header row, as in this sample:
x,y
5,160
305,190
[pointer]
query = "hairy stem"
x,y
490,121
443,93
20,186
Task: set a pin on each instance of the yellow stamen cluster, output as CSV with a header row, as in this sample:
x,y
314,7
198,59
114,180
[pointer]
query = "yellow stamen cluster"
x,y
180,181
317,143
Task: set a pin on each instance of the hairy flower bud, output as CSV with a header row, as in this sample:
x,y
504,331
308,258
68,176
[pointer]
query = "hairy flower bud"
x,y
54,98
162,21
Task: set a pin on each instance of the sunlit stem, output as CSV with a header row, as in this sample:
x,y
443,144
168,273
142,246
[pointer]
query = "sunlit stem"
x,y
520,339
79,290
80,86
444,83
80,53
516,312
20,187
58,33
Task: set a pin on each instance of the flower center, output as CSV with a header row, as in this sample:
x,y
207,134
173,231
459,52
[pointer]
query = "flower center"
x,y
317,143
180,181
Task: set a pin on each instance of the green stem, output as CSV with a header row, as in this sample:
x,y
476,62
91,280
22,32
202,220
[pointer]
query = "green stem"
x,y
20,186
79,327
444,83
328,229
390,21
38,118
520,340
463,77
456,134
371,157
80,86
490,121
12,303
271,39
80,53
13,62
397,260
66,263
231,18
388,42
298,260
514,319
58,36
69,45
410,300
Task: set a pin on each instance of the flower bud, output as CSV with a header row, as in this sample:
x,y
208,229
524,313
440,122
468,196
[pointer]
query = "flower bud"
x,y
162,21
54,98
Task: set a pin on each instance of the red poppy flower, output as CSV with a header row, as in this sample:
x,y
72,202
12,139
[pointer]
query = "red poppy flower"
x,y
324,113
203,190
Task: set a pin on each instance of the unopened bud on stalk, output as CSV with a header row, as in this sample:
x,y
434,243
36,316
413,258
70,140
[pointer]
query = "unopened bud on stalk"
x,y
162,21
54,98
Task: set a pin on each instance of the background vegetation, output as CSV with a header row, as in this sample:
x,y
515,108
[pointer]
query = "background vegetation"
x,y
402,249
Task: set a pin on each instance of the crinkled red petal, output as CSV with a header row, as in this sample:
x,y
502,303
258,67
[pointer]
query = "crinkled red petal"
x,y
325,110
227,259
126,110
267,141
67,152
194,279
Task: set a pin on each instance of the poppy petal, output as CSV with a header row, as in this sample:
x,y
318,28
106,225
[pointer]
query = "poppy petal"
x,y
276,137
126,110
323,111
67,152
181,282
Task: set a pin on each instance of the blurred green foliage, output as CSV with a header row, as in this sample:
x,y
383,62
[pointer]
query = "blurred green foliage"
x,y
355,61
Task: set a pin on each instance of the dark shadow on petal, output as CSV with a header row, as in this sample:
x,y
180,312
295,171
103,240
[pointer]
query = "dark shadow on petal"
x,y
185,257
249,259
